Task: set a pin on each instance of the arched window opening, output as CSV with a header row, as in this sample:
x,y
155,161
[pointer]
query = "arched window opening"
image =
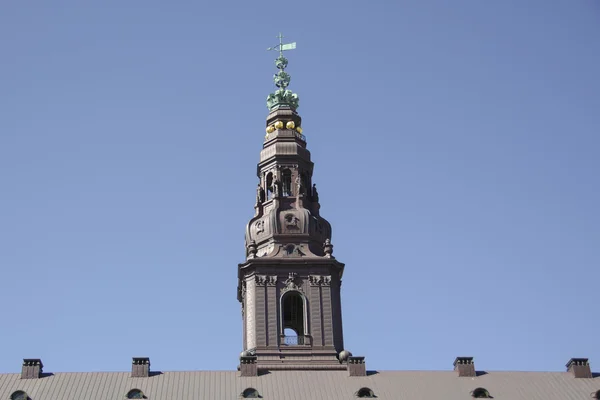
x,y
286,184
365,393
19,395
290,337
293,318
481,393
250,393
305,184
269,186
135,394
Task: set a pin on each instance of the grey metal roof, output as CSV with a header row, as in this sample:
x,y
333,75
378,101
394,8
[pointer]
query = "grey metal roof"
x,y
305,385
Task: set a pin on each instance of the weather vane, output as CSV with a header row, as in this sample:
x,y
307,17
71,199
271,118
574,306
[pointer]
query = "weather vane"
x,y
282,47
282,96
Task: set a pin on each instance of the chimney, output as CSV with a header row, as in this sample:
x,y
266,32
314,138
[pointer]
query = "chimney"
x,y
140,367
579,367
248,366
32,368
465,366
357,366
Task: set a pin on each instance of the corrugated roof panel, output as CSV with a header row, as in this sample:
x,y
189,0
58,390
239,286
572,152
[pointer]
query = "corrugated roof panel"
x,y
291,385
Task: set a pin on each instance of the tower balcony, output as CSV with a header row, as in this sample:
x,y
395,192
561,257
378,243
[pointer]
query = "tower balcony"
x,y
284,133
302,340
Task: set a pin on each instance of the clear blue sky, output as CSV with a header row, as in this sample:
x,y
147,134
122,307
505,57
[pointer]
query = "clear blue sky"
x,y
457,158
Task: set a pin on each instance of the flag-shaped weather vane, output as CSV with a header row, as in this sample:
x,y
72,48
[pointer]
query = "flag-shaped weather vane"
x,y
282,47
282,96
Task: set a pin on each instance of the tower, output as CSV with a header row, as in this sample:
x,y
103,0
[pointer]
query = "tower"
x,y
289,285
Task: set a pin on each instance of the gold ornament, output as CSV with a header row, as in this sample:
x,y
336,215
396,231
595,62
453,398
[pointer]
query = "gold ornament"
x,y
270,129
298,129
278,124
290,125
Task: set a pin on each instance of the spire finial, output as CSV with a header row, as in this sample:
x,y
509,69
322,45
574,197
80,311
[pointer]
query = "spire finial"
x,y
282,96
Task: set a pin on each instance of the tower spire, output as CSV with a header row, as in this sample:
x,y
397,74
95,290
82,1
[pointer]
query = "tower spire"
x,y
282,96
290,283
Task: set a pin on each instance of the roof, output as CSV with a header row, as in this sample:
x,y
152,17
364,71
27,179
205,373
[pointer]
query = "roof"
x,y
305,385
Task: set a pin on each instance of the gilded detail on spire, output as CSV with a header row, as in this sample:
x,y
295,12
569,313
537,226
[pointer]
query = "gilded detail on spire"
x,y
282,96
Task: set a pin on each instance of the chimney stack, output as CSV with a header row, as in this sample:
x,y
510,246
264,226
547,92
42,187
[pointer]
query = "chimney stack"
x,y
579,367
248,366
32,368
140,367
357,366
465,366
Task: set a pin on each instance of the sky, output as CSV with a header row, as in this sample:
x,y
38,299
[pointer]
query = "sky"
x,y
456,155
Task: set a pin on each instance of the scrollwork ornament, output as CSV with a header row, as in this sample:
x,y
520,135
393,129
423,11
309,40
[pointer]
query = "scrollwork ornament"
x,y
260,227
271,280
260,280
291,283
319,280
266,280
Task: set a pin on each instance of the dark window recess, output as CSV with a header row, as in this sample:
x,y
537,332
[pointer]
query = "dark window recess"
x,y
269,186
596,395
293,317
250,393
19,395
365,393
481,393
286,177
136,394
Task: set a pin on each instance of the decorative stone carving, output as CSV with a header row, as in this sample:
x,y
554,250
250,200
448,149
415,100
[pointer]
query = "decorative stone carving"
x,y
260,194
265,280
315,194
299,185
291,283
291,221
319,280
242,290
292,250
252,249
276,188
328,248
260,227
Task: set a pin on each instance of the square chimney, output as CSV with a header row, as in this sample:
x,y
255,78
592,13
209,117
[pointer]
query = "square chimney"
x,y
579,367
465,366
32,368
357,366
248,366
140,367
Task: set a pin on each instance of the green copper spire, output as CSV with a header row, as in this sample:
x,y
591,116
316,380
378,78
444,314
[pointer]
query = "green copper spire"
x,y
282,96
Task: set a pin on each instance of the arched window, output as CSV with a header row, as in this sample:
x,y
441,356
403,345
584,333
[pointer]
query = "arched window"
x,y
135,394
365,393
269,185
481,393
19,395
286,182
305,183
293,315
250,393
